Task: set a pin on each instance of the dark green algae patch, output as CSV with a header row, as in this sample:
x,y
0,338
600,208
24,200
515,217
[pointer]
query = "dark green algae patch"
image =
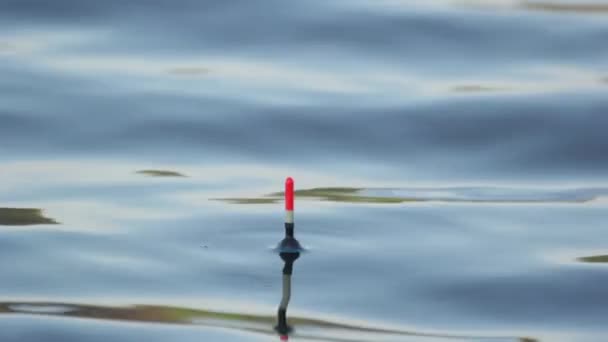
x,y
260,200
350,195
594,259
551,6
473,88
240,321
160,173
331,194
23,217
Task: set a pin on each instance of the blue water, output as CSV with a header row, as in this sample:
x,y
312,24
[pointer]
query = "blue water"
x,y
487,118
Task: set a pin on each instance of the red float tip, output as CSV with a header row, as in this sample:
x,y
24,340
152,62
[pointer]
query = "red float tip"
x,y
289,193
284,337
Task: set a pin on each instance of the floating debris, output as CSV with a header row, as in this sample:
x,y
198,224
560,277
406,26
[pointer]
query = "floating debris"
x,y
23,217
160,173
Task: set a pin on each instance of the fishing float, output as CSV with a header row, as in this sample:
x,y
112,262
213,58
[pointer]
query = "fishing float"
x,y
289,250
289,244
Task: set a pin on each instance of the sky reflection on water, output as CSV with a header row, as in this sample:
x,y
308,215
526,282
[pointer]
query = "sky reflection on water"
x,y
450,159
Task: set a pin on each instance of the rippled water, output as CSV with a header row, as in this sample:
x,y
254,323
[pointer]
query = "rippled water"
x,y
450,158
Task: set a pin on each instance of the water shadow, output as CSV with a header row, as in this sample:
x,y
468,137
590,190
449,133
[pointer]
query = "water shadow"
x,y
23,217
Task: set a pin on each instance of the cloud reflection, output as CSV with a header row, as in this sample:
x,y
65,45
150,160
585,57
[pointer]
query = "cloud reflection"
x,y
189,71
272,80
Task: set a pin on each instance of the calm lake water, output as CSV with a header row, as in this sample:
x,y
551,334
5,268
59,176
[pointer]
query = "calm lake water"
x,y
453,157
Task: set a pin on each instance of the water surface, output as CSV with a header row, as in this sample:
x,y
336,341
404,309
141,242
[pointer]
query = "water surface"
x,y
450,158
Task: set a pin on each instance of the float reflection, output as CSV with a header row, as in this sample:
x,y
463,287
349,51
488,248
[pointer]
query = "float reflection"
x,y
282,327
